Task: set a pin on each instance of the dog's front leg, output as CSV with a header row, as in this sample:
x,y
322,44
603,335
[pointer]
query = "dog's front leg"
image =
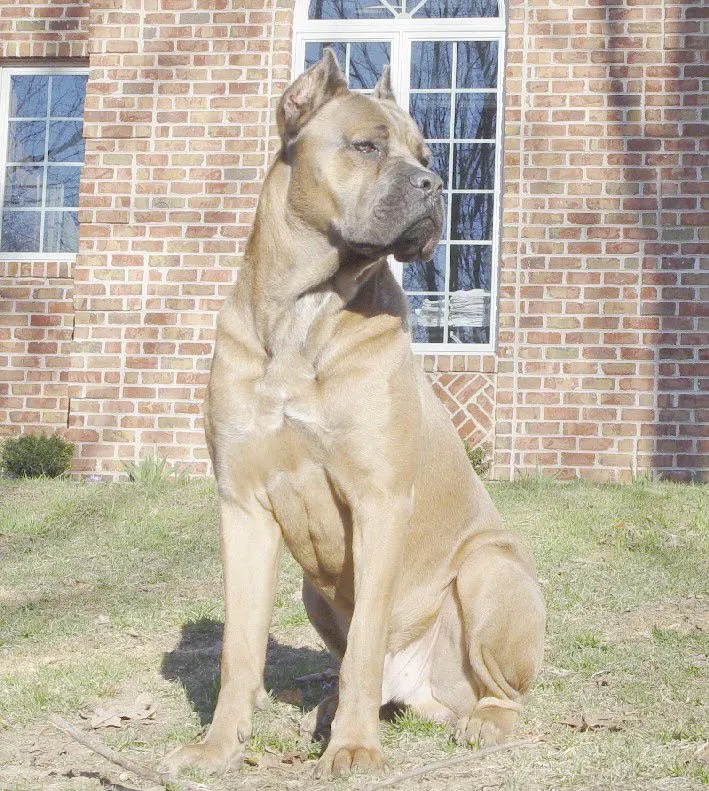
x,y
250,542
379,527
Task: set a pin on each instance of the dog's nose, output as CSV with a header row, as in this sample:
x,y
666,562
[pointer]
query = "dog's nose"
x,y
429,182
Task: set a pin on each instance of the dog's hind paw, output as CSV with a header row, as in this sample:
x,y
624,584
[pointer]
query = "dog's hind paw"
x,y
491,723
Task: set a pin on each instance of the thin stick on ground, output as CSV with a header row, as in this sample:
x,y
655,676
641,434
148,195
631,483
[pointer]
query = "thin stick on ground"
x,y
459,759
138,769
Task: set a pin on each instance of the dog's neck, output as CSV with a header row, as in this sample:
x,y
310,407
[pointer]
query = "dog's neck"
x,y
295,272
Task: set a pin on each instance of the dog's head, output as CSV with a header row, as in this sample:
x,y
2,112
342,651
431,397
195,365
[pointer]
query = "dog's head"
x,y
359,166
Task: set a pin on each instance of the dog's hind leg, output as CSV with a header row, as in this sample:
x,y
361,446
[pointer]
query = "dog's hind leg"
x,y
332,628
503,627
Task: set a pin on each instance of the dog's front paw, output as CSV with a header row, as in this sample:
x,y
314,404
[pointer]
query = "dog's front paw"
x,y
339,758
212,758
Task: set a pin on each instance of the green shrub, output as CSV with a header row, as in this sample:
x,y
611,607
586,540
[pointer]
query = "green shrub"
x,y
153,471
37,455
478,458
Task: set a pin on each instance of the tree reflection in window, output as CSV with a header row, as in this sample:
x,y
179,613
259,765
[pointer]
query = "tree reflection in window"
x,y
397,9
45,151
453,98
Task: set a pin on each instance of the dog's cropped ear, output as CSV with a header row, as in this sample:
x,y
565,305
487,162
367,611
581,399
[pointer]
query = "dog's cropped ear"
x,y
308,94
382,90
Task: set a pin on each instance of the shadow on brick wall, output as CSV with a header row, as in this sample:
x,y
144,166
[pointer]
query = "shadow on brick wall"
x,y
655,89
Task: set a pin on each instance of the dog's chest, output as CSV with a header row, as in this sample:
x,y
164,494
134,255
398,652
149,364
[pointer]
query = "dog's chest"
x,y
287,393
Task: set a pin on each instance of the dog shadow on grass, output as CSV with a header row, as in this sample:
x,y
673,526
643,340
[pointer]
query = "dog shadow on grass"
x,y
195,664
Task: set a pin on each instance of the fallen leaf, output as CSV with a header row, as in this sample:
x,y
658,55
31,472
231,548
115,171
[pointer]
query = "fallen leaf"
x,y
267,760
601,677
294,697
294,757
597,722
141,710
702,754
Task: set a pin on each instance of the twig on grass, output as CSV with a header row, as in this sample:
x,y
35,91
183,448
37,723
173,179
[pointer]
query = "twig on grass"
x,y
138,769
459,759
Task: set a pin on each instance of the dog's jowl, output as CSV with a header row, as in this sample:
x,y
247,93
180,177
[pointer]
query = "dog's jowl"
x,y
325,435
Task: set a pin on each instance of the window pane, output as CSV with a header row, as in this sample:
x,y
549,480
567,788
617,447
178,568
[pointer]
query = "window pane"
x,y
477,64
349,9
68,91
466,334
431,64
432,112
473,166
367,61
23,186
61,232
65,141
427,319
62,186
20,232
471,267
475,115
440,154
314,51
28,96
26,141
454,8
426,275
471,216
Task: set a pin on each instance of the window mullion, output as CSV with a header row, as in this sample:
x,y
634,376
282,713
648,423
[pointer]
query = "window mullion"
x,y
446,293
42,210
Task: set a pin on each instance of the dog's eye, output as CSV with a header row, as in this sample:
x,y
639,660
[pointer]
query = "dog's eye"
x,y
368,147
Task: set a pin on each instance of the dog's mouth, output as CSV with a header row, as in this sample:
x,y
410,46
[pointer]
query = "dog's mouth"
x,y
419,241
416,242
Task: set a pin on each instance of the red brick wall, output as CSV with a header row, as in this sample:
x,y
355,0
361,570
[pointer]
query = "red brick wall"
x,y
177,123
43,28
35,342
603,337
603,368
36,313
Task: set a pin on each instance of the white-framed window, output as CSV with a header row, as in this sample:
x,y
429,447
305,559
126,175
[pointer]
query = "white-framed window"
x,y
41,155
447,63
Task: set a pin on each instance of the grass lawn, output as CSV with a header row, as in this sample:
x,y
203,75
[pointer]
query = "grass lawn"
x,y
108,591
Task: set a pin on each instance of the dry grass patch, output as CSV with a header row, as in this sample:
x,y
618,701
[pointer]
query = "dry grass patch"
x,y
110,591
